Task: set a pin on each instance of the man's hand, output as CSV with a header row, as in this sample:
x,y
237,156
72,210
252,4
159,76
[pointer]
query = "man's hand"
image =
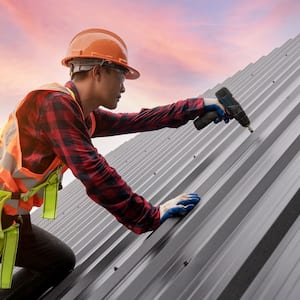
x,y
213,104
178,206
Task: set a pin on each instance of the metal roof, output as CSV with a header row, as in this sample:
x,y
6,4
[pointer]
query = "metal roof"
x,y
242,240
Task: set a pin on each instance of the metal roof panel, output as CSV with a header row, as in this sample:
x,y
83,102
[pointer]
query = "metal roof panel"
x,y
240,241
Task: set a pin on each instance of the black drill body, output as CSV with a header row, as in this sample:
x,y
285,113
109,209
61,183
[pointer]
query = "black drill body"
x,y
232,108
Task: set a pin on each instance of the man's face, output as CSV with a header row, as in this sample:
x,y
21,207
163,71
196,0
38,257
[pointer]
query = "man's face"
x,y
110,87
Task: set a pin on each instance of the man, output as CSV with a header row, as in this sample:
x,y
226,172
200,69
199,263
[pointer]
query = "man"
x,y
50,130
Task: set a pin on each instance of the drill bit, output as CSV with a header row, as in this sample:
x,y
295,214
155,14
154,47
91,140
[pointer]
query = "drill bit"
x,y
250,129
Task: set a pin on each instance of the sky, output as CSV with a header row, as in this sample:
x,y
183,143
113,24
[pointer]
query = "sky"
x,y
181,48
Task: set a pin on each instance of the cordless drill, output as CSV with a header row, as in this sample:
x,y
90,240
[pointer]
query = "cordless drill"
x,y
232,109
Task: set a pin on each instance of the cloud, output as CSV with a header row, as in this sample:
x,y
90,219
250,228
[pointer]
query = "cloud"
x,y
256,25
179,47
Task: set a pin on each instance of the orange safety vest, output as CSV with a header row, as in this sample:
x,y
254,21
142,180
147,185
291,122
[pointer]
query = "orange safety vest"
x,y
21,189
13,176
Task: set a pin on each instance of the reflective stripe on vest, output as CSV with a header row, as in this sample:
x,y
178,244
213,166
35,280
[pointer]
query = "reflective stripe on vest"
x,y
36,187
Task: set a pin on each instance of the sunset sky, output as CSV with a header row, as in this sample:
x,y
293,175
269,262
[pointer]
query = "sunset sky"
x,y
181,48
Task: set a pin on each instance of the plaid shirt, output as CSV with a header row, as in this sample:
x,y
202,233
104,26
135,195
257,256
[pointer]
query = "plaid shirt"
x,y
51,125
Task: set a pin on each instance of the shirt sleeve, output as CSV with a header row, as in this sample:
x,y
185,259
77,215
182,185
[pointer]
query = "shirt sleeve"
x,y
64,128
173,115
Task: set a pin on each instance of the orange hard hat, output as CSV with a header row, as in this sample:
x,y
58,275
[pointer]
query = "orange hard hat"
x,y
100,44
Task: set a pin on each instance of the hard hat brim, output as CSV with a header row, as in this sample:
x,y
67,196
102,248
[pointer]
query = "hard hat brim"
x,y
132,72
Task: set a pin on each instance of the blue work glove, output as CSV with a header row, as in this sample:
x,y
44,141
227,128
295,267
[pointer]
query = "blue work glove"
x,y
178,206
214,105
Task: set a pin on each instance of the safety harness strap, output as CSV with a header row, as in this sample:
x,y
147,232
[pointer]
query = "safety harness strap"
x,y
50,194
9,246
9,238
35,189
4,196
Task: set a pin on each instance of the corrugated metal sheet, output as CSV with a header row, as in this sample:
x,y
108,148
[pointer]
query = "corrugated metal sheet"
x,y
241,241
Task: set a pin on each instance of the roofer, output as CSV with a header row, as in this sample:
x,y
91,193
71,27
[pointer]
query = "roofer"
x,y
50,131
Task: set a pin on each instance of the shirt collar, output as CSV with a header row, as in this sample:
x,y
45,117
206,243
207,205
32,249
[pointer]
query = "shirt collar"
x,y
72,87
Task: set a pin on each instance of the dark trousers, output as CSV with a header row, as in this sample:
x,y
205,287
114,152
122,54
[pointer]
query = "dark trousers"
x,y
44,259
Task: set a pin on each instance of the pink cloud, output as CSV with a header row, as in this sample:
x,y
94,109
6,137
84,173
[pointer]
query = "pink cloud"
x,y
259,24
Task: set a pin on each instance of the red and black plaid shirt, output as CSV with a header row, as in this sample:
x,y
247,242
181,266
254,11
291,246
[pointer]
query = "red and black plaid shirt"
x,y
51,124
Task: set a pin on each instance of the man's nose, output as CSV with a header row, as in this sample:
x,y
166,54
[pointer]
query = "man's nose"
x,y
122,90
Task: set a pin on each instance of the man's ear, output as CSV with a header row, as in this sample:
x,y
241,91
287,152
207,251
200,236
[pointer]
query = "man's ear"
x,y
96,72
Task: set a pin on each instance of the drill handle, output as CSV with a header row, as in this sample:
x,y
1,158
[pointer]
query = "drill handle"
x,y
206,119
